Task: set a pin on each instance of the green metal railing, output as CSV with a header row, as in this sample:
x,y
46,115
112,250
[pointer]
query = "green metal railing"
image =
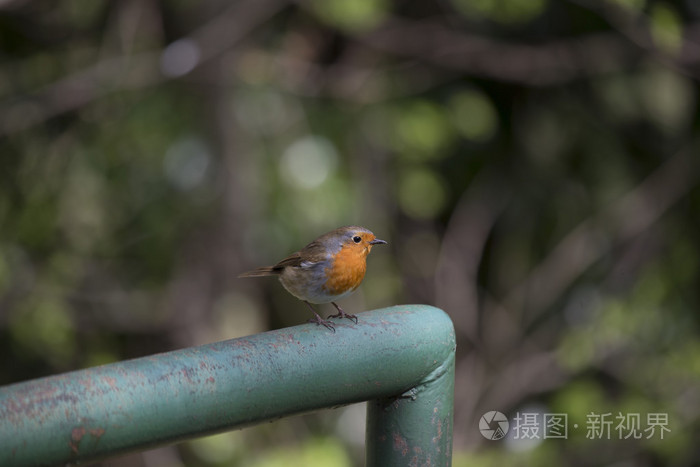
x,y
400,359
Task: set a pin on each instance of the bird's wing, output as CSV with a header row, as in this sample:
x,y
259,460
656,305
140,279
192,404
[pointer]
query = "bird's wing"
x,y
292,260
310,255
307,257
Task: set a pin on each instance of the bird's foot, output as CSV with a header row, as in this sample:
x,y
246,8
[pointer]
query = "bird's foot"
x,y
318,320
341,314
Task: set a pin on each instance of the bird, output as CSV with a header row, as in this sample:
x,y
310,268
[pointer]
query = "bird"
x,y
327,269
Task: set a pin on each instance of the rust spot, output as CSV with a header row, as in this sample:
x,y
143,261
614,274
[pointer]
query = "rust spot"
x,y
188,373
87,382
111,381
245,343
211,380
400,444
436,439
77,434
415,460
75,437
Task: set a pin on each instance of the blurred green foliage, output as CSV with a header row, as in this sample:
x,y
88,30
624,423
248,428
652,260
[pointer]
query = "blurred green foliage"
x,y
533,165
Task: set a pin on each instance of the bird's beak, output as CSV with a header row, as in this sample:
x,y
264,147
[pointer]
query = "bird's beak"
x,y
376,241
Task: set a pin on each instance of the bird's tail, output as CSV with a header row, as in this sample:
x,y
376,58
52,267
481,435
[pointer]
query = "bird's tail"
x,y
261,272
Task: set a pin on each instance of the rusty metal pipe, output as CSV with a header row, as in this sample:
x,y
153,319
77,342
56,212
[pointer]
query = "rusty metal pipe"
x,y
401,358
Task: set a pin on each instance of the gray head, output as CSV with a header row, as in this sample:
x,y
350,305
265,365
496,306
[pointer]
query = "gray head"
x,y
351,235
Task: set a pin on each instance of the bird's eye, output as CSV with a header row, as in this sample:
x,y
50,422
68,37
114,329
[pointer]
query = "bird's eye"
x,y
357,239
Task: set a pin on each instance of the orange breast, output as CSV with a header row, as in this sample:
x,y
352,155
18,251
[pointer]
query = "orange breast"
x,y
347,270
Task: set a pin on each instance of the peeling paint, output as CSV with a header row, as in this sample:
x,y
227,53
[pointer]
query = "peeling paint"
x,y
77,435
111,382
400,444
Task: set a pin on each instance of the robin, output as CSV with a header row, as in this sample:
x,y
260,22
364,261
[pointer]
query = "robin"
x,y
327,269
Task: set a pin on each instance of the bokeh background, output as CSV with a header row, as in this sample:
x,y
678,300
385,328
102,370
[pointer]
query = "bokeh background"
x,y
532,163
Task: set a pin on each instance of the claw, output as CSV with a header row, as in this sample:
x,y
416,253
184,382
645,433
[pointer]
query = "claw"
x,y
318,320
341,314
321,321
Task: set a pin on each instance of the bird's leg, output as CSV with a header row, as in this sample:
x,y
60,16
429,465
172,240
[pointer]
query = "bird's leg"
x,y
341,314
318,320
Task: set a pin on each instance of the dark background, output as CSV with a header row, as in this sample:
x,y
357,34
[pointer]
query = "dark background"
x,y
533,165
